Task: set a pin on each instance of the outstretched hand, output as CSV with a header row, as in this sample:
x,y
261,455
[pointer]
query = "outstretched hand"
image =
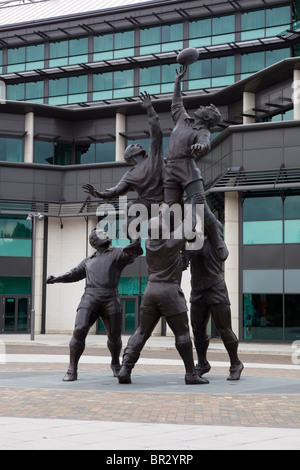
x,y
51,280
182,71
88,188
146,100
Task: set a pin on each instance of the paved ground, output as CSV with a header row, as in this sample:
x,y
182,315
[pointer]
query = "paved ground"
x,y
157,411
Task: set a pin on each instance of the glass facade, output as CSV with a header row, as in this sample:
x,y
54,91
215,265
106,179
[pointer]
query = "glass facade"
x,y
20,59
211,73
11,150
15,236
271,296
264,23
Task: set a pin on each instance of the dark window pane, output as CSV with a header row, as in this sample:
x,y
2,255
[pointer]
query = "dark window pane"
x,y
62,154
263,317
292,316
292,207
44,152
15,227
105,152
263,208
11,150
14,285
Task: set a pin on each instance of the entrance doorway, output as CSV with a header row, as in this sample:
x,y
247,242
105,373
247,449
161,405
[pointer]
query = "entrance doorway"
x,y
14,314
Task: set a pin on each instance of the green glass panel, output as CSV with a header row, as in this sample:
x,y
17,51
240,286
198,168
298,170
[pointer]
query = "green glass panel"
x,y
253,24
129,285
58,91
103,81
16,58
278,16
252,62
11,150
15,227
262,208
85,154
15,285
262,232
43,152
223,66
172,36
129,316
35,57
78,51
223,28
150,40
263,317
34,91
149,76
62,154
123,83
277,55
16,92
124,44
78,89
15,247
200,28
59,51
292,207
105,152
292,231
103,47
9,314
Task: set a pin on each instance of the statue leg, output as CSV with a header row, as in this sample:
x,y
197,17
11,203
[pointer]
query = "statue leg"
x,y
196,195
113,326
180,327
85,318
200,315
135,345
222,316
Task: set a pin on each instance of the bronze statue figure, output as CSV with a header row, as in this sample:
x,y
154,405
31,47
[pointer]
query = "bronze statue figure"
x,y
209,296
102,272
163,297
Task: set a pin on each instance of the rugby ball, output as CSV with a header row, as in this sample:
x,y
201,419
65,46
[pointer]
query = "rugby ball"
x,y
188,56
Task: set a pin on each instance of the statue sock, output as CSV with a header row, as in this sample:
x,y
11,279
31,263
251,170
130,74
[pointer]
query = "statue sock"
x,y
185,351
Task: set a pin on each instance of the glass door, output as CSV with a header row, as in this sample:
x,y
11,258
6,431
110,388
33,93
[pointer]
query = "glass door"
x,y
14,314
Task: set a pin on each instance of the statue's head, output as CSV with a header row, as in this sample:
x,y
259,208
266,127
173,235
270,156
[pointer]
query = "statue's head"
x,y
134,153
99,239
209,114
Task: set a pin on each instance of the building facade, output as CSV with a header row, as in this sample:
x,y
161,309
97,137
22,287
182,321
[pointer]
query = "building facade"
x,y
70,78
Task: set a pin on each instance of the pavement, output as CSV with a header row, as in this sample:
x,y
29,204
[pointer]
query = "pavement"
x,y
157,412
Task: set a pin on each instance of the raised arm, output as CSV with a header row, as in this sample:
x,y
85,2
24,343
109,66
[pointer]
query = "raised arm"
x,y
177,96
156,135
121,188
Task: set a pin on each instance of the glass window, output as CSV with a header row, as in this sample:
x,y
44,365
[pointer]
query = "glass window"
x,y
35,56
15,227
16,92
263,317
263,232
223,29
34,91
78,87
223,70
16,59
58,91
150,78
200,32
62,154
253,24
202,69
14,247
103,86
103,47
252,62
105,152
124,44
78,51
15,285
59,51
168,74
123,83
277,55
292,281
265,281
292,231
263,208
150,41
11,150
172,37
277,20
292,207
43,152
292,316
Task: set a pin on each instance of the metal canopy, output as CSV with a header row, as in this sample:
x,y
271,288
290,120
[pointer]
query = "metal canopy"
x,y
237,179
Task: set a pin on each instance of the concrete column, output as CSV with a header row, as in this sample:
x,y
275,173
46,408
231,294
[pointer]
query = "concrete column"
x,y
29,138
296,95
120,140
2,92
39,265
248,104
231,267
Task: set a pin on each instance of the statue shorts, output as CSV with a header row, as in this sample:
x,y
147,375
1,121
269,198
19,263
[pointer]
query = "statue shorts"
x,y
102,301
164,299
216,294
